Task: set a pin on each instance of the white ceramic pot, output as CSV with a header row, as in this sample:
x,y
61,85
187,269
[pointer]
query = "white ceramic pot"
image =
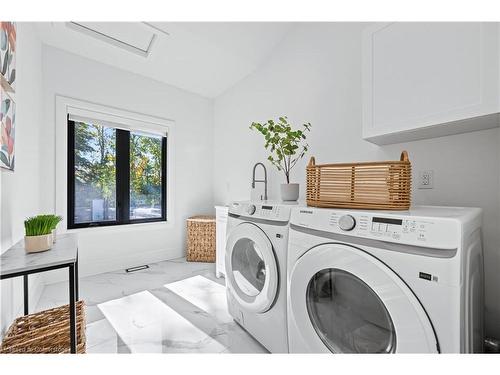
x,y
35,244
289,192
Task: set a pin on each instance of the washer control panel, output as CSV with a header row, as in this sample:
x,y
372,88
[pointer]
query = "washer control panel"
x,y
411,230
264,211
347,222
251,209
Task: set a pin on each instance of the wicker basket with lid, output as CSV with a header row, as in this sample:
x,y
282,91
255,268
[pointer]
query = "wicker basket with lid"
x,y
381,185
201,239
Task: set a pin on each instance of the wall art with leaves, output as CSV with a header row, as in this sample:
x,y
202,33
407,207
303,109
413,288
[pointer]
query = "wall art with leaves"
x,y
8,55
7,130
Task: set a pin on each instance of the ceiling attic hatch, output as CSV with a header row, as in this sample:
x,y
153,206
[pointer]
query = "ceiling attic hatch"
x,y
135,37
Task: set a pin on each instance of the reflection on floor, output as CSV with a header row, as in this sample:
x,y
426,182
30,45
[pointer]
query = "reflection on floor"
x,y
173,307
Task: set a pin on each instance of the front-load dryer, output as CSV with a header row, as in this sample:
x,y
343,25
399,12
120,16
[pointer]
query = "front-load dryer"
x,y
385,282
256,258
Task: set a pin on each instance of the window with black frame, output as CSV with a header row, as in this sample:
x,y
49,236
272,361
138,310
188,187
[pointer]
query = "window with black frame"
x,y
115,176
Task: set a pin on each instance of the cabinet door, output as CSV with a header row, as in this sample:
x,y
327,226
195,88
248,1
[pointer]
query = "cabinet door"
x,y
421,75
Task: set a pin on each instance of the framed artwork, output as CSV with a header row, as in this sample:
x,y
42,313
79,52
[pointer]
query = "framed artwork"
x,y
8,55
7,130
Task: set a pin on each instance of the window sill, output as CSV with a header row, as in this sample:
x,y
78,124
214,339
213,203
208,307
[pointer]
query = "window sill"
x,y
124,227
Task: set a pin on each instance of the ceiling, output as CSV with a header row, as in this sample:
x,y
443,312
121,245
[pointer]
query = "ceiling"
x,y
206,58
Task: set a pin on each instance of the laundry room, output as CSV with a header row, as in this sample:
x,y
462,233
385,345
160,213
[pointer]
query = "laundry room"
x,y
301,183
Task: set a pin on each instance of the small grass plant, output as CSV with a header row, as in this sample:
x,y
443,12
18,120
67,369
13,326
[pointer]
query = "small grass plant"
x,y
41,224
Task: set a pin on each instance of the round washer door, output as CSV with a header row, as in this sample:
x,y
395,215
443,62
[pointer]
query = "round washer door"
x,y
251,270
344,300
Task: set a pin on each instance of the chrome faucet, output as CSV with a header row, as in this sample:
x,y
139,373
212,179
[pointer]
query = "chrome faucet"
x,y
264,180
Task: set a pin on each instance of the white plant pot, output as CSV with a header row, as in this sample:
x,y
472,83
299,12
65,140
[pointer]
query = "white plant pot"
x,y
289,192
35,244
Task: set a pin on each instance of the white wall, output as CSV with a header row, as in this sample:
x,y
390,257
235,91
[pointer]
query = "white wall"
x,y
105,249
315,76
19,189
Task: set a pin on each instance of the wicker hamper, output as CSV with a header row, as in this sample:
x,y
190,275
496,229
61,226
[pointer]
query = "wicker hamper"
x,y
384,185
201,239
45,332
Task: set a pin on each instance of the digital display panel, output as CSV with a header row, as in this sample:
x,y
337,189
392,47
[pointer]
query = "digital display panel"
x,y
267,207
385,220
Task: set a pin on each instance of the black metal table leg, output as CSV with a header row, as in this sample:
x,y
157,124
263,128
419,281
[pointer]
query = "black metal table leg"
x,y
72,308
26,295
77,286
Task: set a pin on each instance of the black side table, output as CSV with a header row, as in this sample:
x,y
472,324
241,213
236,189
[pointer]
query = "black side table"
x,y
16,262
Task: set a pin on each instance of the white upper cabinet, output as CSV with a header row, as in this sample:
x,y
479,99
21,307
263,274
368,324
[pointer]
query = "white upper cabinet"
x,y
424,80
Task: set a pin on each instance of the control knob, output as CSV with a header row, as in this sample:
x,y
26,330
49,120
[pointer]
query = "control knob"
x,y
347,223
251,209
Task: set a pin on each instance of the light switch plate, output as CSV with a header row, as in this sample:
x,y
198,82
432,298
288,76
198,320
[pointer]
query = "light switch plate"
x,y
426,180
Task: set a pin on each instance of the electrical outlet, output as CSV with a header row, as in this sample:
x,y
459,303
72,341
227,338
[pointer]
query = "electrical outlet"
x,y
426,180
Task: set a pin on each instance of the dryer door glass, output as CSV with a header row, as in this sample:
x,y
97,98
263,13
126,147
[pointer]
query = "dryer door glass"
x,y
248,267
347,314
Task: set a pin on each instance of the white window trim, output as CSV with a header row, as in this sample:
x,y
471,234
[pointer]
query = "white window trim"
x,y
133,120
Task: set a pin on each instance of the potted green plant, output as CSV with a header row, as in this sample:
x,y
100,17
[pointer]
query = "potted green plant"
x,y
39,232
286,146
54,220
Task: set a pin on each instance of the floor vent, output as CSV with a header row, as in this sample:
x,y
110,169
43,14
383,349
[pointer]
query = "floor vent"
x,y
138,268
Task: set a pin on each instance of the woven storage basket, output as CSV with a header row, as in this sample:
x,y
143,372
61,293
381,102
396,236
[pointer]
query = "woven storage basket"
x,y
382,185
201,239
45,332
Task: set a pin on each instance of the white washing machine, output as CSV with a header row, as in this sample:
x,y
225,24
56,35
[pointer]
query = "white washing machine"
x,y
256,258
385,282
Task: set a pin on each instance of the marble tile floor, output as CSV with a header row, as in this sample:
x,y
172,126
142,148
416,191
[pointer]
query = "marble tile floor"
x,y
173,307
